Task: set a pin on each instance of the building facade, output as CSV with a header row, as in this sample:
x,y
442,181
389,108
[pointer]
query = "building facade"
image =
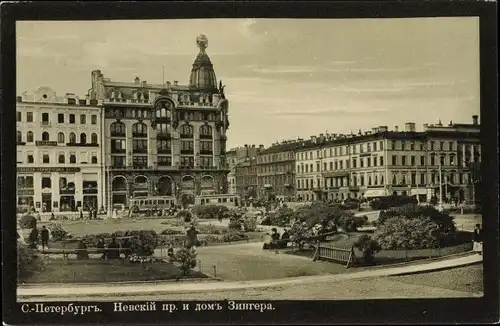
x,y
246,180
164,139
382,162
235,157
58,152
276,170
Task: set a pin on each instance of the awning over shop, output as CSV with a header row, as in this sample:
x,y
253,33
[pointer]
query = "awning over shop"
x,y
421,191
374,193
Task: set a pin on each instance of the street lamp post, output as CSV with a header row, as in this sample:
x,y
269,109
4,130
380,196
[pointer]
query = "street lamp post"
x,y
440,205
109,191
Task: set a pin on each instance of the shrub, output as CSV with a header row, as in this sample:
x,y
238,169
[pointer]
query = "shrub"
x,y
442,219
186,258
171,232
185,215
350,222
369,247
143,243
281,217
209,229
408,233
250,223
211,211
392,201
27,222
57,232
299,232
28,261
234,236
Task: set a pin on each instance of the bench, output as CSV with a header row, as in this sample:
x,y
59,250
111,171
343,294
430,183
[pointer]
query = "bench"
x,y
66,252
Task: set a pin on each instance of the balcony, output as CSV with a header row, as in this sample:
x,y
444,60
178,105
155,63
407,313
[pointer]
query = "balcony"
x,y
67,191
81,145
90,190
117,166
162,120
45,143
164,151
165,164
187,151
206,137
45,124
207,152
165,136
187,136
117,134
353,188
20,143
141,167
140,135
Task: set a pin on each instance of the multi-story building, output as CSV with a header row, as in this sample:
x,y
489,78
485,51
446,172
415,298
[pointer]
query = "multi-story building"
x,y
164,139
236,156
58,152
276,170
381,162
246,179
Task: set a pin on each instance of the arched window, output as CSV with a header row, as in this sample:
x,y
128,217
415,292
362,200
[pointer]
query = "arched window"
x,y
45,136
187,131
206,131
117,129
29,137
72,138
94,138
139,130
83,138
19,137
60,138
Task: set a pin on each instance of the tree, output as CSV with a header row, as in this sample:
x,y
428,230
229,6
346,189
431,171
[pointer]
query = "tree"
x,y
281,217
403,233
185,215
186,258
323,214
369,247
27,222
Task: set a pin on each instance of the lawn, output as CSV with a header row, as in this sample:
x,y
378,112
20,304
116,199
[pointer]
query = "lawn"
x,y
103,271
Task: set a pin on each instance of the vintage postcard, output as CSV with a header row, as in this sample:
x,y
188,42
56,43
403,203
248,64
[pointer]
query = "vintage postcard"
x,y
232,165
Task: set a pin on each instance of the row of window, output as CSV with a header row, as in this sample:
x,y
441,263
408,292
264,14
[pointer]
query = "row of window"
x,y
376,180
61,158
162,113
269,158
142,161
27,182
141,129
61,118
373,147
61,138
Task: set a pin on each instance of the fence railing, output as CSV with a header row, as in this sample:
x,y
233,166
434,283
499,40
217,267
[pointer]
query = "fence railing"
x,y
328,252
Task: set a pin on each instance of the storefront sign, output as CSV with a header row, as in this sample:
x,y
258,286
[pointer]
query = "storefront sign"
x,y
45,143
54,169
25,192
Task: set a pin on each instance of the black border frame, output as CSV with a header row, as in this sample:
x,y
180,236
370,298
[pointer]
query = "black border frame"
x,y
479,310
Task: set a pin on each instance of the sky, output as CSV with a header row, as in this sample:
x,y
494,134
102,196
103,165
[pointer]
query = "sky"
x,y
285,78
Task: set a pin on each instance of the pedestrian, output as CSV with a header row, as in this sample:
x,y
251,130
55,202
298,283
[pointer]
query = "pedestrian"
x,y
45,237
100,246
95,213
478,239
52,216
90,213
81,214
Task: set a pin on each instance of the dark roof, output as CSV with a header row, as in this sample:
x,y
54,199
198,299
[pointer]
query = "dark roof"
x,y
280,148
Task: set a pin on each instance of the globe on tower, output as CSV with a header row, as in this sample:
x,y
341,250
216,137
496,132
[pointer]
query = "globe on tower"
x,y
203,74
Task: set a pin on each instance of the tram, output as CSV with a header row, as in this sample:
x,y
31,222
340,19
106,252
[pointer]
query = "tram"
x,y
151,202
228,200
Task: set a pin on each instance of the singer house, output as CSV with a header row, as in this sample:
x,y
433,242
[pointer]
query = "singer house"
x,y
163,140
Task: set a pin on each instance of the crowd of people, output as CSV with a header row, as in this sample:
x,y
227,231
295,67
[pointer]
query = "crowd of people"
x,y
275,240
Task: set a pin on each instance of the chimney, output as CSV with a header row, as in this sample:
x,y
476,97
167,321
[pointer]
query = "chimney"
x,y
144,83
451,123
253,146
168,84
176,83
374,130
246,146
261,146
396,129
426,126
137,80
410,127
474,120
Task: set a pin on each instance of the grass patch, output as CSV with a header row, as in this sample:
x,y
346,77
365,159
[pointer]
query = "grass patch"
x,y
103,271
